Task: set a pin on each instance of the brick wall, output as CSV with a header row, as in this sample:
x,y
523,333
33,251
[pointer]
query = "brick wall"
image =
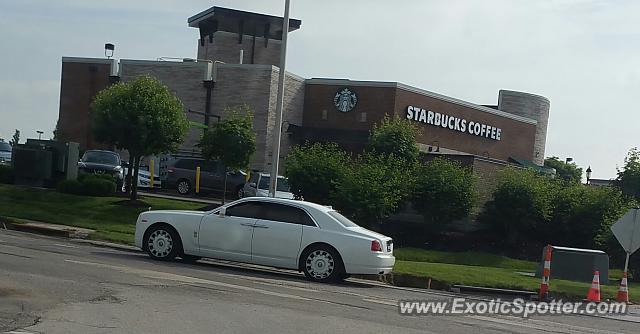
x,y
226,48
81,80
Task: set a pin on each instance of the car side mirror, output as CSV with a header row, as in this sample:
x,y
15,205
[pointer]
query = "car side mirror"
x,y
222,212
252,184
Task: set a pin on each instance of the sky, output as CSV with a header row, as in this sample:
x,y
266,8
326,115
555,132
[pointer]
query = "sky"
x,y
584,55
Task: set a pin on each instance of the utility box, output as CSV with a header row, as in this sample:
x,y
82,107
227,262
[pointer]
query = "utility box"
x,y
44,163
576,264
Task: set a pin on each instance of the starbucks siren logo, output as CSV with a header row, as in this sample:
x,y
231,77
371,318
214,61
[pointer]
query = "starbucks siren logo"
x,y
345,100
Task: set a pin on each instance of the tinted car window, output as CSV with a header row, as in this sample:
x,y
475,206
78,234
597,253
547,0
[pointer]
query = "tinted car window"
x,y
246,210
107,158
283,184
186,164
287,214
5,147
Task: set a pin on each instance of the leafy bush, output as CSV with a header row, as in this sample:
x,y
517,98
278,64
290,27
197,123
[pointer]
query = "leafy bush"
x,y
89,184
444,192
96,186
521,207
6,174
73,187
314,170
85,176
375,186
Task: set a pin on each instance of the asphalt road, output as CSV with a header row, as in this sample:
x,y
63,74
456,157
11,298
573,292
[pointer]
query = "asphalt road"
x,y
51,285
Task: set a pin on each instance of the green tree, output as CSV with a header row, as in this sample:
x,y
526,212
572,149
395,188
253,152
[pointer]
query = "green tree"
x,y
375,186
314,170
15,140
565,171
521,207
142,117
628,179
395,136
444,192
232,141
582,215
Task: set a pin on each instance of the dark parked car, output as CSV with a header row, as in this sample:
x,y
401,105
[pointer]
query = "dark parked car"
x,y
102,162
181,175
5,152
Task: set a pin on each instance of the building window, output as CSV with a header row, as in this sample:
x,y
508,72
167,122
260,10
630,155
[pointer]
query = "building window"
x,y
324,114
363,117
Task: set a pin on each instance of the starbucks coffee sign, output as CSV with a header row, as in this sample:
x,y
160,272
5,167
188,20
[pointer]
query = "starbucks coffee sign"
x,y
345,100
453,123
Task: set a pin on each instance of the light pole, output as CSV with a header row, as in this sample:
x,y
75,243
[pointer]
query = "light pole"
x,y
277,126
588,172
39,134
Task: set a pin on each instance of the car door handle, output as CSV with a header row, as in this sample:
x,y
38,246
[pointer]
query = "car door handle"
x,y
246,224
261,226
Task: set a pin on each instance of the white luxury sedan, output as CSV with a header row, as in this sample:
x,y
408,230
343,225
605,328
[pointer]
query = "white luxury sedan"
x,y
312,238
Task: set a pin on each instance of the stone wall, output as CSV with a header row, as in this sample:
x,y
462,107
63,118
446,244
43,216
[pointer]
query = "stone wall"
x,y
185,79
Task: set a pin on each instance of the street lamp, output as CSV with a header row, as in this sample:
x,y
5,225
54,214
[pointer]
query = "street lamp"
x,y
109,50
568,160
39,134
280,102
588,172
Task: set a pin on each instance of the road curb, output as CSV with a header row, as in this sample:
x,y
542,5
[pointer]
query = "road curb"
x,y
53,230
107,244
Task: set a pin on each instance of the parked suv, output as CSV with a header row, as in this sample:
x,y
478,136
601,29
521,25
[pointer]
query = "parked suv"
x,y
102,162
181,175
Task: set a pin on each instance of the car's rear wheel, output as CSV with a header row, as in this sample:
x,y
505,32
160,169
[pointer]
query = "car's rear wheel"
x,y
322,264
163,243
184,187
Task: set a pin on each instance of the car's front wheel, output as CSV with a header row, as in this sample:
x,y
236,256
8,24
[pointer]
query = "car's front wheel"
x,y
163,243
184,187
322,264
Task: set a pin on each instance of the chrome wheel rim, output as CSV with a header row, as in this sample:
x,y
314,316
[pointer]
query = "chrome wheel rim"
x,y
320,264
160,243
183,187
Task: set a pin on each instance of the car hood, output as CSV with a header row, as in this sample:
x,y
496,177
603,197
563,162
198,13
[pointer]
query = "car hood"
x,y
368,233
94,165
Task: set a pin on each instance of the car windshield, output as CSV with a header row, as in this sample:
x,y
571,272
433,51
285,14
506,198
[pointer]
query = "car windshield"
x,y
283,184
344,221
5,147
106,158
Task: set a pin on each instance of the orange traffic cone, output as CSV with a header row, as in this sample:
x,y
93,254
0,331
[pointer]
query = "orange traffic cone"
x,y
594,291
546,274
623,291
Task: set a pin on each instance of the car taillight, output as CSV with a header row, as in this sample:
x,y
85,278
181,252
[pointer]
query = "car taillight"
x,y
375,246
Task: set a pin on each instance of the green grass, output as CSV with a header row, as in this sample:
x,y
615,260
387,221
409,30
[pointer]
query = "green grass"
x,y
111,221
503,278
465,258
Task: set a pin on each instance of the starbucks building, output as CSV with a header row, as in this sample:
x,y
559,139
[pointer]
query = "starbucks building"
x,y
236,63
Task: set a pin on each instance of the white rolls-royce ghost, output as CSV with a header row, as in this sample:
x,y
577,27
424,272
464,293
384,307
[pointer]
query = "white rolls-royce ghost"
x,y
312,238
